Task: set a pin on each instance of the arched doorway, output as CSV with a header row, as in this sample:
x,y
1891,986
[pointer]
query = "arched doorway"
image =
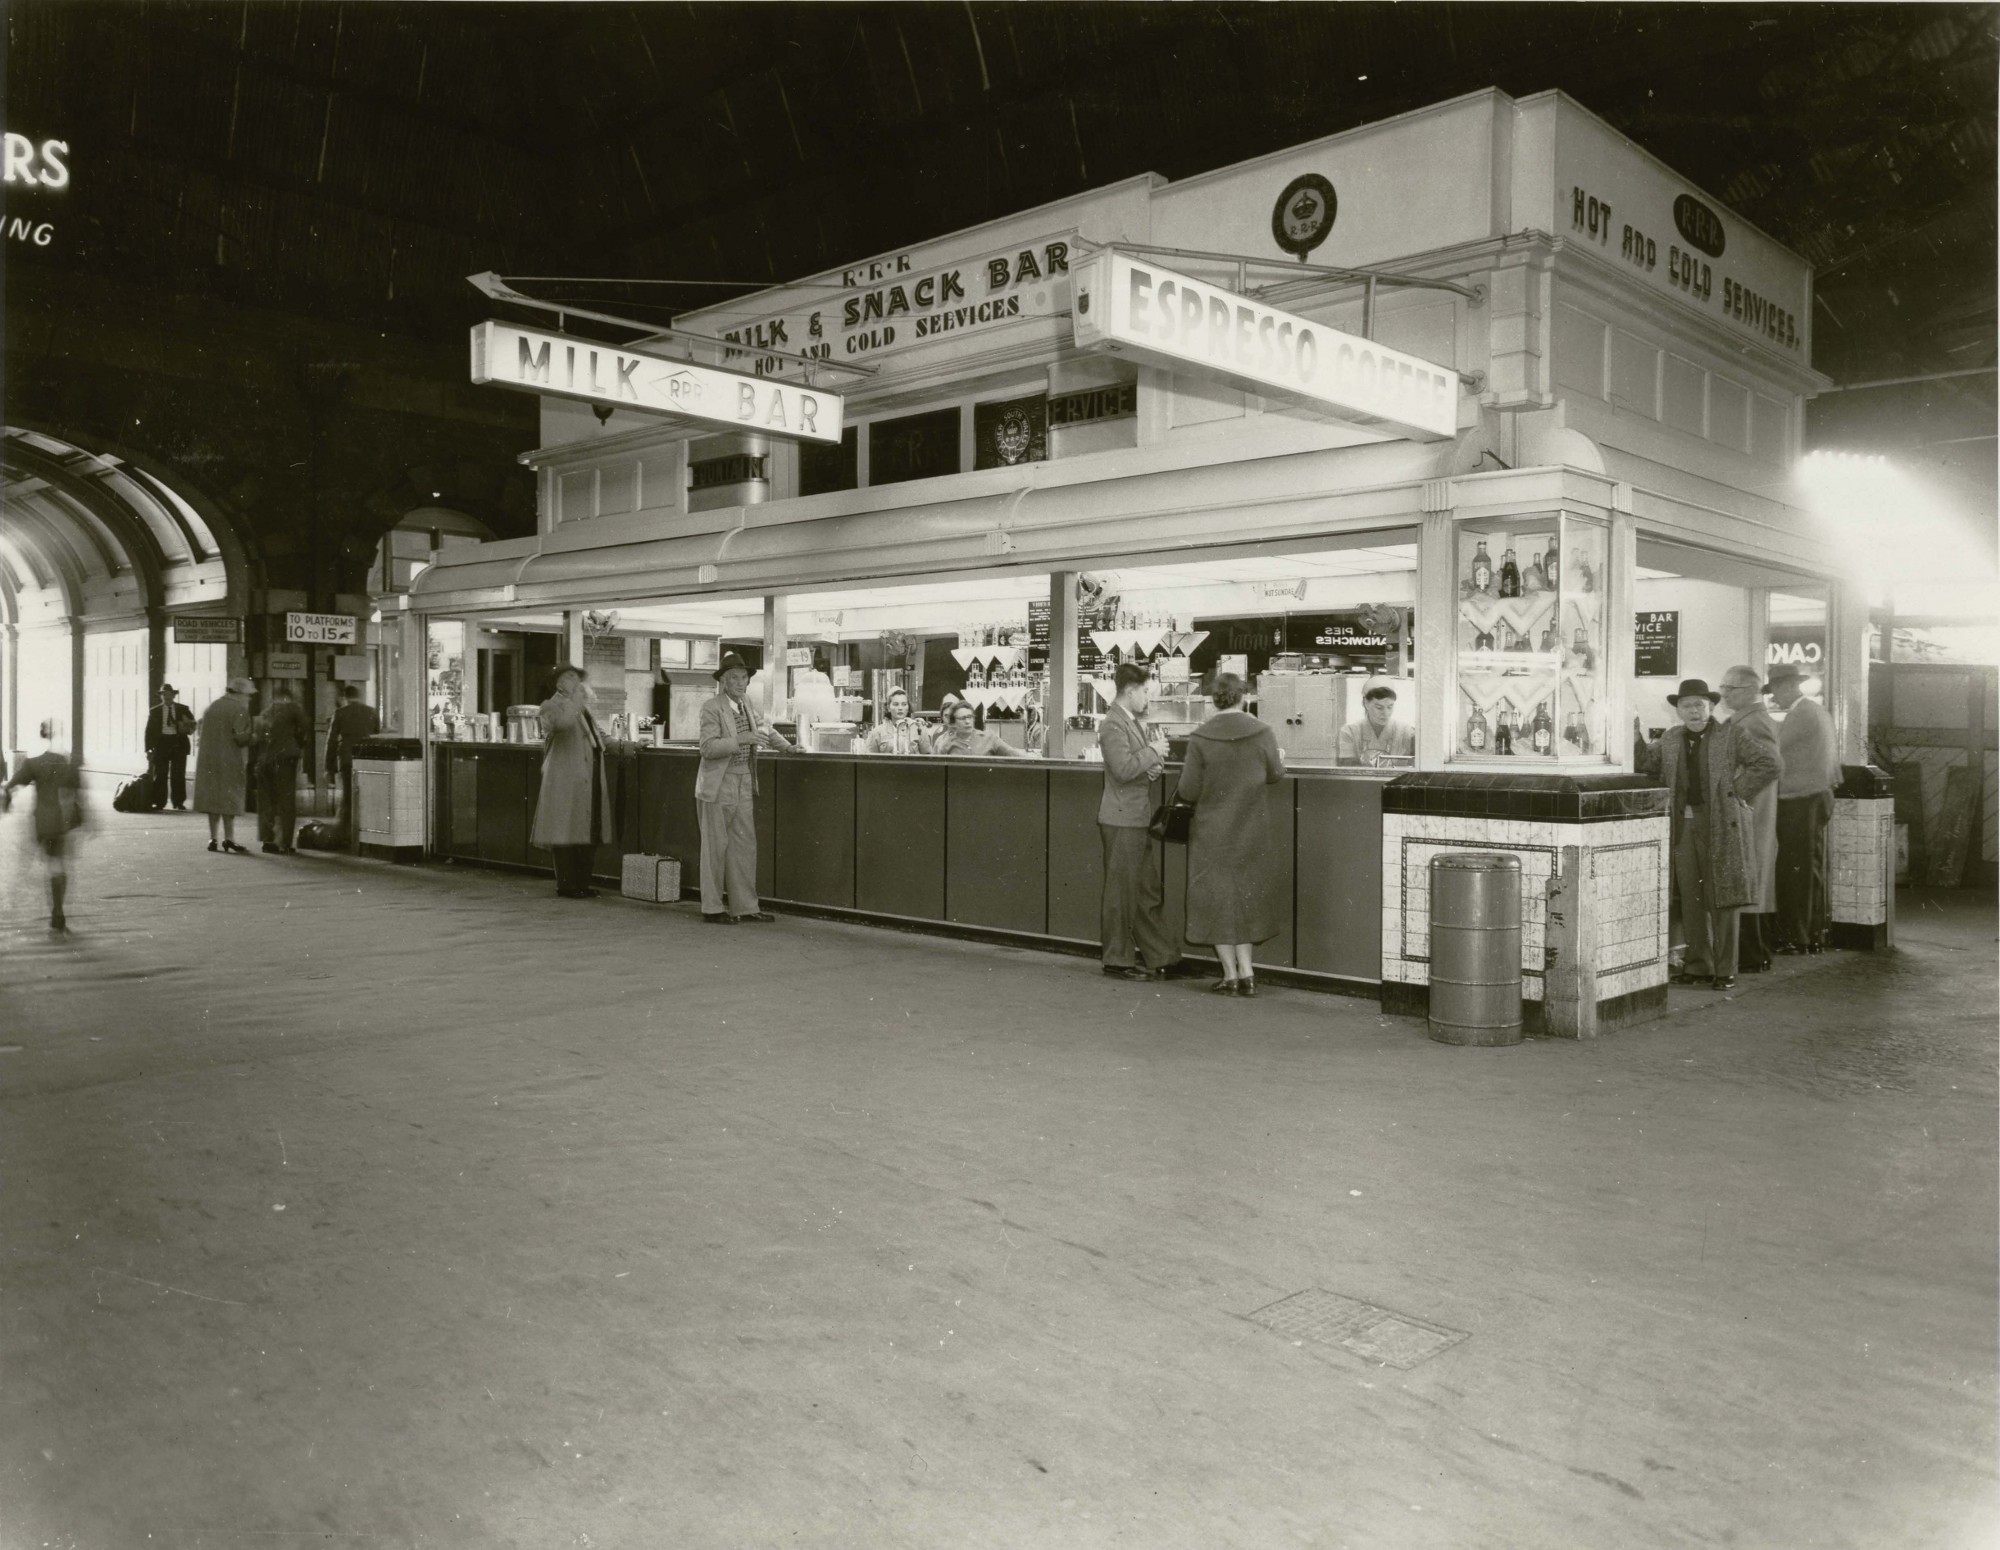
x,y
99,559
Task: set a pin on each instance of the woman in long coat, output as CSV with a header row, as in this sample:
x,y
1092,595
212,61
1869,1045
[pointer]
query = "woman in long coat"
x,y
573,812
218,763
1231,758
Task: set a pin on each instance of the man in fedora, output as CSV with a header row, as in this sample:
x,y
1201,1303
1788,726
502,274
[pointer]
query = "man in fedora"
x,y
1711,775
169,726
1805,806
725,790
1743,697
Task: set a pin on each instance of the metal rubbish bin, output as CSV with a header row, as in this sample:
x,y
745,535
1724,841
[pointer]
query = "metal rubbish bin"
x,y
1475,948
389,796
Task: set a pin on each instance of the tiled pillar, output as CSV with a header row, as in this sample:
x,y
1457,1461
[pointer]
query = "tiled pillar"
x,y
1861,859
1618,823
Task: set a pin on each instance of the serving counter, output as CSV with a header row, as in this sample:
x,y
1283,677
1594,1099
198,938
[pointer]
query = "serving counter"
x,y
978,846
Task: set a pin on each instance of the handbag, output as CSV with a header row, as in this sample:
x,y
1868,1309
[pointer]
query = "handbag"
x,y
1172,820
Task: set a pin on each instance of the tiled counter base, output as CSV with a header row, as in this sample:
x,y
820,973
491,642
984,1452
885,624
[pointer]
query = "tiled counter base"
x,y
1861,859
1619,826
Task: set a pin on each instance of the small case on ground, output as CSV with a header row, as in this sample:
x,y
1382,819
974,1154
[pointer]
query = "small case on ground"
x,y
656,879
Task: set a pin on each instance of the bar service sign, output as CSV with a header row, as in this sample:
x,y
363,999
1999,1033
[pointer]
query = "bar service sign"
x,y
1124,304
1656,650
531,361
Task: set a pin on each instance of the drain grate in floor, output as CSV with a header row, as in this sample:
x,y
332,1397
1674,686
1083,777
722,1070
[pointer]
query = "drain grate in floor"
x,y
1372,1333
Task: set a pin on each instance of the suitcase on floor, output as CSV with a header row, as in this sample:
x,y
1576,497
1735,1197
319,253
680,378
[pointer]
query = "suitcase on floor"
x,y
655,879
135,796
319,836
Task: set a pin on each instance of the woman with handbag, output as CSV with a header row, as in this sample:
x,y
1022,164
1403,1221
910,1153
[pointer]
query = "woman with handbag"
x,y
1231,758
58,812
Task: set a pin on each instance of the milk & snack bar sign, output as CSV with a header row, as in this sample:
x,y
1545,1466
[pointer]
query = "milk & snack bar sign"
x,y
531,361
1125,304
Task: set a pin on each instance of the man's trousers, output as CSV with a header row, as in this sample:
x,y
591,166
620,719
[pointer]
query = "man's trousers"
x,y
1803,911
728,857
278,798
1129,914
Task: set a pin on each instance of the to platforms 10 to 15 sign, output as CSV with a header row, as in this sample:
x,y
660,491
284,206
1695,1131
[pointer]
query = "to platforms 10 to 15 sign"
x,y
321,629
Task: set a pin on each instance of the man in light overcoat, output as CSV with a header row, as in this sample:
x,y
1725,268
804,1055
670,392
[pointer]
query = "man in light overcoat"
x,y
1712,775
1136,944
1743,697
725,791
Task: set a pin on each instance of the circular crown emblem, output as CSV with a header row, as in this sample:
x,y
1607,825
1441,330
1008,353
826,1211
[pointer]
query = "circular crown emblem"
x,y
1303,215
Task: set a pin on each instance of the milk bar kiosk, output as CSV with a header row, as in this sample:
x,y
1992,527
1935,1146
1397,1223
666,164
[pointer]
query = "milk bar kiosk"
x,y
1482,404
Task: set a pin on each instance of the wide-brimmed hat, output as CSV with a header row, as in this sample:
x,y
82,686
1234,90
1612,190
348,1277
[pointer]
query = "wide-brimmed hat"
x,y
1788,673
168,689
729,660
1695,688
242,686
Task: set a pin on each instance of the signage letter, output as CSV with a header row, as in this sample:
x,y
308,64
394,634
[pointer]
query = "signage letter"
x,y
808,409
1218,326
20,159
626,366
54,173
996,274
533,368
1191,315
746,400
1142,288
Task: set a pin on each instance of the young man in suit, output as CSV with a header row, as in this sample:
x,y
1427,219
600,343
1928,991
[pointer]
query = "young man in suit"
x,y
1136,944
725,790
169,725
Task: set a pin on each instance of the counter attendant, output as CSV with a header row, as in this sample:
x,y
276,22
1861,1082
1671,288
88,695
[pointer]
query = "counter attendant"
x,y
898,731
1231,758
1805,807
725,791
1712,775
573,812
1377,737
1130,923
959,736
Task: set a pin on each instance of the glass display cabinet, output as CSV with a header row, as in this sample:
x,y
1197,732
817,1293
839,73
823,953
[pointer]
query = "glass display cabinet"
x,y
1529,644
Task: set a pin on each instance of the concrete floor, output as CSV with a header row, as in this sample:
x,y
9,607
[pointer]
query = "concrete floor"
x,y
417,1207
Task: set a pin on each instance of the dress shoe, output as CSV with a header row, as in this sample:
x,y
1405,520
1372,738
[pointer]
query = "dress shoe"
x,y
180,807
1139,971
235,849
1725,982
213,846
1116,970
1682,977
720,920
270,850
1247,989
761,917
1223,988
1181,969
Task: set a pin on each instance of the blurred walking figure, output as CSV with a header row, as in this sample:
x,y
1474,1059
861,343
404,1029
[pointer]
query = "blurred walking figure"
x,y
218,763
58,812
282,734
169,725
573,813
1231,758
353,724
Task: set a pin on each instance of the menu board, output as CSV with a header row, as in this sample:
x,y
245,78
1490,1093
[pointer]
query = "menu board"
x,y
1349,633
1038,637
1656,650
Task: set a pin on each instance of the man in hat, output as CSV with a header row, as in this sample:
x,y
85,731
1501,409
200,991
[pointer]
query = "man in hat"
x,y
1743,698
169,725
725,789
1711,775
1805,806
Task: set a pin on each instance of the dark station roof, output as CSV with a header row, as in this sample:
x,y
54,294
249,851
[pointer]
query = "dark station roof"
x,y
361,159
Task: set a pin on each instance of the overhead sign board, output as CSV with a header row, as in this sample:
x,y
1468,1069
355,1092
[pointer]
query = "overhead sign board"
x,y
321,629
1656,643
532,361
284,664
1132,305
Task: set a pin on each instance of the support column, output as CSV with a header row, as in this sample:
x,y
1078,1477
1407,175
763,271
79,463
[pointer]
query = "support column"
x,y
156,653
1061,700
1760,633
778,678
1437,615
1847,669
1620,630
412,689
76,691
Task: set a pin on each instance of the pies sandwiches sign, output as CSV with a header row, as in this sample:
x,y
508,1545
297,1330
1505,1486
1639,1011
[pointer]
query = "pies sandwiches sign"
x,y
1131,305
505,355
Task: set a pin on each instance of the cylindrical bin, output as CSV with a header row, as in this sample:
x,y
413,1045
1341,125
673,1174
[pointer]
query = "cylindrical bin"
x,y
1475,948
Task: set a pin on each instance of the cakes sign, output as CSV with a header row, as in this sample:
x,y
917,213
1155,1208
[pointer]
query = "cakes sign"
x,y
532,361
1125,305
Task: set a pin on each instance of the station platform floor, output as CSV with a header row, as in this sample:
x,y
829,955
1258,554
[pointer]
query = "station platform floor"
x,y
366,1205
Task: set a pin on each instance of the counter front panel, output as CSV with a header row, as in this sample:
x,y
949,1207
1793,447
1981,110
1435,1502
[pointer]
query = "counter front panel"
x,y
995,845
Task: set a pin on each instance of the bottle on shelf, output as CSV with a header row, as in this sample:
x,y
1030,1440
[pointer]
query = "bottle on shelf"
x,y
1552,566
1551,641
1482,569
1510,575
1581,646
975,677
1542,730
1476,734
1482,640
1503,731
1534,579
1576,732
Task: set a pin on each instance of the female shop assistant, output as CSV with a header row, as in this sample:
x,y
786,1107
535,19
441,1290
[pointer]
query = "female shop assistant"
x,y
959,736
898,731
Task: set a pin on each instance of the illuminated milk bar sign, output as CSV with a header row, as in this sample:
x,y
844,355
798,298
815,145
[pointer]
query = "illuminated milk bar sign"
x,y
505,355
1127,304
